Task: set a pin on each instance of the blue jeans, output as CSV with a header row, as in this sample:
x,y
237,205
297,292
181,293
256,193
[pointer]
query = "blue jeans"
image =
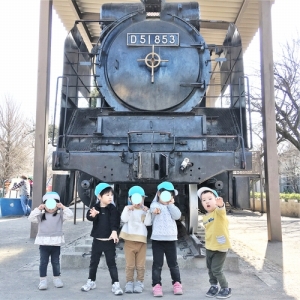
x,y
159,249
45,253
25,205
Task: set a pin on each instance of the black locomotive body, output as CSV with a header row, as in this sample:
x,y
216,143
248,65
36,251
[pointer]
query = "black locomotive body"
x,y
148,120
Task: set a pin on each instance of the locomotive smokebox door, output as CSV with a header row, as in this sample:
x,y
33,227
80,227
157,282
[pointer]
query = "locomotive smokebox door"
x,y
151,57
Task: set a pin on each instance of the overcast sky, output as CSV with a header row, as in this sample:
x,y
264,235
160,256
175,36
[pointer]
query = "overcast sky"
x,y
19,26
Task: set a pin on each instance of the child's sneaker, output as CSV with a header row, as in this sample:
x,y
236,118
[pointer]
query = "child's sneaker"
x,y
177,288
224,293
157,290
58,282
129,287
43,284
90,285
138,287
213,291
116,289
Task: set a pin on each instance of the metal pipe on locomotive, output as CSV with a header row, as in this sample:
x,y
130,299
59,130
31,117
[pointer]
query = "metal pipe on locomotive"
x,y
152,69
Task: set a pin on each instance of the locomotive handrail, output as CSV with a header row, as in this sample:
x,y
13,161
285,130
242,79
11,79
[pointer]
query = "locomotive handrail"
x,y
54,117
210,136
76,74
149,132
111,26
249,110
240,109
95,21
243,152
117,22
228,136
187,23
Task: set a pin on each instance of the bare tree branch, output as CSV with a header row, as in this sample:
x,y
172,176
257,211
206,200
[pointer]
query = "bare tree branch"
x,y
287,95
16,136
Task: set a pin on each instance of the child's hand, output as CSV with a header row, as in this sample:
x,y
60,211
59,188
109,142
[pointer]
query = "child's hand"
x,y
172,201
41,207
130,207
114,237
156,211
220,201
60,205
145,208
93,212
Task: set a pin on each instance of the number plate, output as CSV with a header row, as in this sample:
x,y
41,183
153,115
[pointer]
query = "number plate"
x,y
147,39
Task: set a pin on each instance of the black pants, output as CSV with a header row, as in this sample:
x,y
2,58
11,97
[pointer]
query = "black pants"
x,y
109,249
169,248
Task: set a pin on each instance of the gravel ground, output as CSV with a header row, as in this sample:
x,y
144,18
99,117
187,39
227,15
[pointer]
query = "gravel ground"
x,y
276,264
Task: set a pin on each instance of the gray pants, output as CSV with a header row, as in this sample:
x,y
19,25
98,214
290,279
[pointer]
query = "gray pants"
x,y
214,262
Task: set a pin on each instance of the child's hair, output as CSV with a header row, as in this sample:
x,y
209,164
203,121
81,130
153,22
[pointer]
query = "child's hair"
x,y
53,215
50,195
204,190
171,192
106,190
135,190
166,186
200,192
102,188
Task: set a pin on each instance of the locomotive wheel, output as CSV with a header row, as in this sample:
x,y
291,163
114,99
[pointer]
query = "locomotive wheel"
x,y
85,189
191,219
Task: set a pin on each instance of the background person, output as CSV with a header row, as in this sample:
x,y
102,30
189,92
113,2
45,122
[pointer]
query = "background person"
x,y
24,191
30,180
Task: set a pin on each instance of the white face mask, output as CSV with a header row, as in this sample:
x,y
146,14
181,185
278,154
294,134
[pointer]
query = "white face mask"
x,y
50,203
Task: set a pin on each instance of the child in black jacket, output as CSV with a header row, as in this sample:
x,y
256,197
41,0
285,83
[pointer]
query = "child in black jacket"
x,y
106,222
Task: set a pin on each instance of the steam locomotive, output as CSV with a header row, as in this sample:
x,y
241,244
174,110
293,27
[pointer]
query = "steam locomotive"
x,y
136,109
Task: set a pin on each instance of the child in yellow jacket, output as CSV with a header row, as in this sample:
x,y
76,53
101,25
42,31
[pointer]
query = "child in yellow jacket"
x,y
216,241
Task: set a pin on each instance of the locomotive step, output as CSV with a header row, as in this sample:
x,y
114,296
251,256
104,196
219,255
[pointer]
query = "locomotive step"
x,y
187,255
76,260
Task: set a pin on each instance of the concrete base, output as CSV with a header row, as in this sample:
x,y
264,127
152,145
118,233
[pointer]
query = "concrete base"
x,y
80,258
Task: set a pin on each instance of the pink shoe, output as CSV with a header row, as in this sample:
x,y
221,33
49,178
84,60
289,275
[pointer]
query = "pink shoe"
x,y
177,288
157,291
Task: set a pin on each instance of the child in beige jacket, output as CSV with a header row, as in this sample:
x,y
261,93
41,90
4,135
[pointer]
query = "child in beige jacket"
x,y
135,217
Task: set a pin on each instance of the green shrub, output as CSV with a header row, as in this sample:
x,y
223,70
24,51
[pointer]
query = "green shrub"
x,y
285,197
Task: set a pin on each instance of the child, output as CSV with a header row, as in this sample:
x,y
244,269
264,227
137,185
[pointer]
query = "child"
x,y
216,241
136,217
164,236
50,216
106,222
